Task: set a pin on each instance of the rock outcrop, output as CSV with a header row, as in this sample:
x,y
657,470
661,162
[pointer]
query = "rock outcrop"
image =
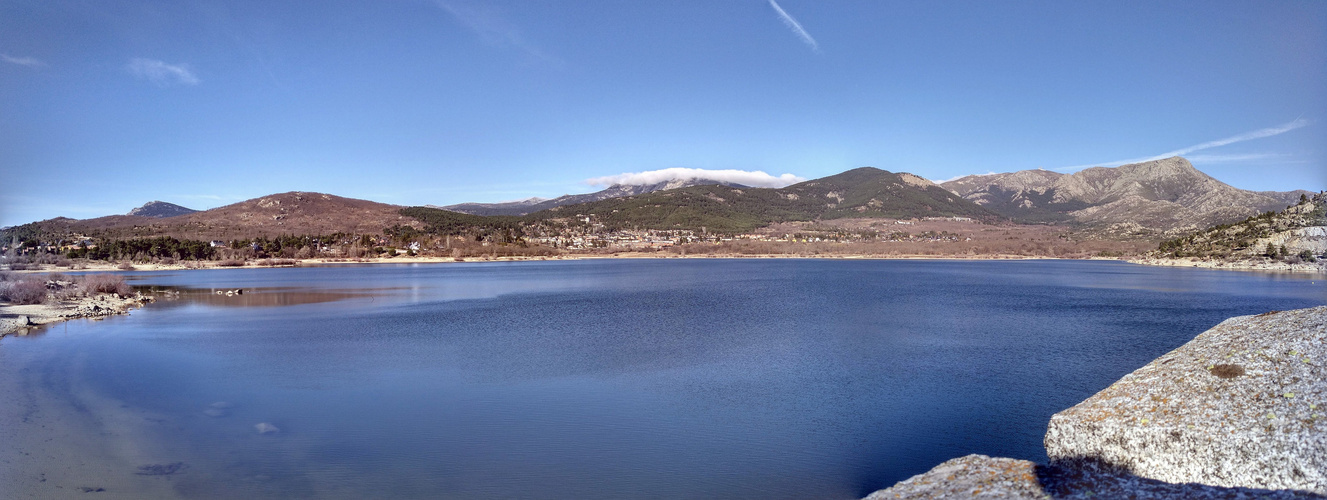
x,y
161,210
1241,405
1300,229
1238,412
980,476
973,476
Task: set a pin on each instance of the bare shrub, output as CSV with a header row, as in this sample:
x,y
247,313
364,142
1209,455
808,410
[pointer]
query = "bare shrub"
x,y
63,262
231,263
167,261
18,266
106,283
29,291
125,266
304,253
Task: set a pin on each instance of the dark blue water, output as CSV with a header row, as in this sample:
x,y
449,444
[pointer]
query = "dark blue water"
x,y
631,379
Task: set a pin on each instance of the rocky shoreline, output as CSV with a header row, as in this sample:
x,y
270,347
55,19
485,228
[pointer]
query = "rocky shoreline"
x,y
1238,412
1237,265
23,319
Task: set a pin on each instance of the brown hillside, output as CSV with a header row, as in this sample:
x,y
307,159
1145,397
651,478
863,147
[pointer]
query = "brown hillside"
x,y
299,213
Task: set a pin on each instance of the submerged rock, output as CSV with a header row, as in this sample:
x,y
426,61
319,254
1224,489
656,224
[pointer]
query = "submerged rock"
x,y
1241,405
160,469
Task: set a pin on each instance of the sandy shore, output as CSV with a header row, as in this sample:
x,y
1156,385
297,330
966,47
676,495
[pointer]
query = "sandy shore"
x,y
60,439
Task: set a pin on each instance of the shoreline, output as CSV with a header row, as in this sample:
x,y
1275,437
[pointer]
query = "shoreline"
x,y
1237,265
1242,265
21,320
110,266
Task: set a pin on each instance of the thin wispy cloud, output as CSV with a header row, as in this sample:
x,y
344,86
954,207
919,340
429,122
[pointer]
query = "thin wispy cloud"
x,y
1236,158
753,178
795,26
492,26
31,62
957,177
161,73
208,197
1247,136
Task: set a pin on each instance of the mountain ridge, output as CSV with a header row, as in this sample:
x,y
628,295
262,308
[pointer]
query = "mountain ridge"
x,y
293,212
532,205
1139,201
861,192
1165,197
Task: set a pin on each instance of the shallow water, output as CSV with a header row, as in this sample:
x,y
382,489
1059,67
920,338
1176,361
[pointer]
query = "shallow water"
x,y
609,379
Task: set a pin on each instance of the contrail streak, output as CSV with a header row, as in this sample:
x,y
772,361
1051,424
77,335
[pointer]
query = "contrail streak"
x,y
1247,136
795,26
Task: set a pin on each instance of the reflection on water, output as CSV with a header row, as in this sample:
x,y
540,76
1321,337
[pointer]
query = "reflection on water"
x,y
256,297
610,379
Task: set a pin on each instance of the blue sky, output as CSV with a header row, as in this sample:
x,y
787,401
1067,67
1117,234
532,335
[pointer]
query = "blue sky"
x,y
107,105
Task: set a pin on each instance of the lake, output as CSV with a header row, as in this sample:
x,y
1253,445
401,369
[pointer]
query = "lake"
x,y
682,378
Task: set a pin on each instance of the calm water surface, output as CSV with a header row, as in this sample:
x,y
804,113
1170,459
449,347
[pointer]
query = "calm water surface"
x,y
628,379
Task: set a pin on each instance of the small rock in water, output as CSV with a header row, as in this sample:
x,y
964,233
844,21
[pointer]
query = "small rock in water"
x,y
266,428
160,469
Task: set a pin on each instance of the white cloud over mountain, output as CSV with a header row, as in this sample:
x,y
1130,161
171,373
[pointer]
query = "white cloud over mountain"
x,y
753,178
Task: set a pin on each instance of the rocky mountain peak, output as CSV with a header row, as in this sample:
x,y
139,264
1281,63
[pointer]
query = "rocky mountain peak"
x,y
160,209
1158,196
